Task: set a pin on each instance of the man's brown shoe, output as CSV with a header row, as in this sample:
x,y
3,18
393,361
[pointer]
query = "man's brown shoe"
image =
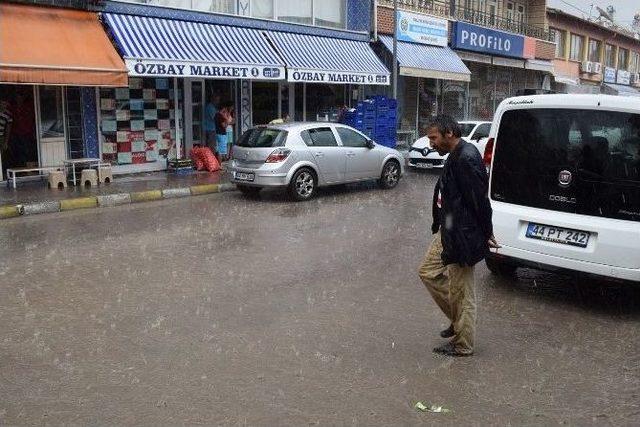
x,y
449,349
448,333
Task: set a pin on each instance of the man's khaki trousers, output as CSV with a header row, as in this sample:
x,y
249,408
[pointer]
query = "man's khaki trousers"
x,y
451,287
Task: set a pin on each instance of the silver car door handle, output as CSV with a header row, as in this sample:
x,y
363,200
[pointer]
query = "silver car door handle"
x,y
351,154
319,154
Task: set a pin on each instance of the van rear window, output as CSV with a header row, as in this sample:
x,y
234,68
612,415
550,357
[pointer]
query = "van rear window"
x,y
570,160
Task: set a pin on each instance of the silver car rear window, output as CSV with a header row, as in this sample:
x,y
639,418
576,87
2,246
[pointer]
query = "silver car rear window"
x,y
263,138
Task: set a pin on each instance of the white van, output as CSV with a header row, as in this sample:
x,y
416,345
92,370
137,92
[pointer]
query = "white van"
x,y
565,184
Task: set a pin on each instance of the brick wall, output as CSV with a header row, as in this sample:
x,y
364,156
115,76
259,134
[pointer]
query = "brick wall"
x,y
545,50
385,20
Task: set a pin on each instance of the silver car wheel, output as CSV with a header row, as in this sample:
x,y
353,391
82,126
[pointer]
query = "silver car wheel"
x,y
304,184
391,174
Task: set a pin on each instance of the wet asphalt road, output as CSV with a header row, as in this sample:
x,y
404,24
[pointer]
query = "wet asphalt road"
x,y
221,310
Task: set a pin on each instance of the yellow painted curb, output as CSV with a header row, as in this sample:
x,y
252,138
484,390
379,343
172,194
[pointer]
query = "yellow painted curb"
x,y
9,211
146,196
205,189
78,203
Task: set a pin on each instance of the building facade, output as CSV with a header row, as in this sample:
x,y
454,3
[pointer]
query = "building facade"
x,y
593,58
176,59
504,47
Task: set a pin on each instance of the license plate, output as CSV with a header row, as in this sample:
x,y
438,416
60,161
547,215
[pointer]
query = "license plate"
x,y
242,176
561,235
425,165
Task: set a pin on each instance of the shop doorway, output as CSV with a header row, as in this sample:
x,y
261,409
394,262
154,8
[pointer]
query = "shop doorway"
x,y
264,100
18,141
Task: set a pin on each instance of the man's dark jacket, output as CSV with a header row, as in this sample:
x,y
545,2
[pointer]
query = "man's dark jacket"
x,y
465,218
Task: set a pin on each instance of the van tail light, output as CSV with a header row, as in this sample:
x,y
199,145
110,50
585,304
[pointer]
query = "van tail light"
x,y
279,155
488,153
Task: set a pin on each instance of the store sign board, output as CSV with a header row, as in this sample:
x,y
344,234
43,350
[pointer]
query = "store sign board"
x,y
624,77
487,40
151,68
425,29
315,76
609,75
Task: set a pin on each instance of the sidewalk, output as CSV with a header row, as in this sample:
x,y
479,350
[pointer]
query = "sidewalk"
x,y
33,197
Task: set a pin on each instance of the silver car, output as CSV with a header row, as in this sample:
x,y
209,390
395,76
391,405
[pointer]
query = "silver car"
x,y
305,156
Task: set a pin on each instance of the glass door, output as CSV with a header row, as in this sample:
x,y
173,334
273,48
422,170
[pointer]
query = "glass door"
x,y
194,111
52,125
73,123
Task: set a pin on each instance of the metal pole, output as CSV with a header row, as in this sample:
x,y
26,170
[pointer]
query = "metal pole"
x,y
395,49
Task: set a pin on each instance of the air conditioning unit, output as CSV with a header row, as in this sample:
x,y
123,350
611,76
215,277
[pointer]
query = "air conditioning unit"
x,y
597,68
586,67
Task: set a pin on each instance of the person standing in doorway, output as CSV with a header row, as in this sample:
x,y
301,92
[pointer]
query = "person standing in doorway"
x,y
463,234
223,119
210,111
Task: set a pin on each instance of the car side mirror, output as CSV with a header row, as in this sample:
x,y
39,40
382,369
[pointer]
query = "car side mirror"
x,y
370,144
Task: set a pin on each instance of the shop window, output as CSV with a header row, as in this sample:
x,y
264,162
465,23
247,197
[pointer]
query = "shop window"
x,y
298,11
635,62
351,138
220,6
610,55
623,58
594,50
137,123
577,46
262,9
329,13
559,38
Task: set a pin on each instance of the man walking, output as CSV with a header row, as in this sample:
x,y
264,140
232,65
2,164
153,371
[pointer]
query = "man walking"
x,y
463,234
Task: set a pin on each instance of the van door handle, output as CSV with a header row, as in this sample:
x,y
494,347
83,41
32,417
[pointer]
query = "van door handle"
x,y
351,154
319,154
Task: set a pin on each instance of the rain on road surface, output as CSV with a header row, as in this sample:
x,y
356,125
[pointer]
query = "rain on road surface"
x,y
225,310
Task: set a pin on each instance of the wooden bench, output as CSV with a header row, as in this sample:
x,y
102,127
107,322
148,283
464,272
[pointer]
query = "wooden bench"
x,y
12,174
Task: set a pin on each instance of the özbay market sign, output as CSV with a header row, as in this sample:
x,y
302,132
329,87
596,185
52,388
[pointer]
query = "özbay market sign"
x,y
336,77
487,40
149,68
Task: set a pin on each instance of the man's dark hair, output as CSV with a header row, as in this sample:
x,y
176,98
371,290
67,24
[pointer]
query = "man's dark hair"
x,y
445,123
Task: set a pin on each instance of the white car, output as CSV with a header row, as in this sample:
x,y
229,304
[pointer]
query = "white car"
x,y
565,185
422,156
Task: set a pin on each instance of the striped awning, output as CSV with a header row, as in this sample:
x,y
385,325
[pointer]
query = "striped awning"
x,y
174,48
433,62
315,59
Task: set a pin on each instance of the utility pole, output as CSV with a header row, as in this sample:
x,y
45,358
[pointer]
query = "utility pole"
x,y
395,49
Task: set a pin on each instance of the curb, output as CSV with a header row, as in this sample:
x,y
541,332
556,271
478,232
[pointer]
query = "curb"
x,y
109,200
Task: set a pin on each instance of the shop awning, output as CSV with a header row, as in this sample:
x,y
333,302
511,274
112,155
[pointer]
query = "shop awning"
x,y
622,90
315,59
432,62
158,47
46,45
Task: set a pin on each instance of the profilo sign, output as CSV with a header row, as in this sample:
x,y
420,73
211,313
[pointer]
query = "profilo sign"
x,y
623,77
150,68
416,28
487,40
336,77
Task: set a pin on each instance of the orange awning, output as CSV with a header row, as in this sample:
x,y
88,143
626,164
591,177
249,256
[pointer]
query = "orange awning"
x,y
46,45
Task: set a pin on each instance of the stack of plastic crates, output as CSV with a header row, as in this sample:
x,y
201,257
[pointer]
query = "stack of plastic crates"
x,y
386,116
376,118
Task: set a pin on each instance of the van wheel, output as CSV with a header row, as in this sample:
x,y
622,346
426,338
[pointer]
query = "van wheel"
x,y
303,184
500,268
390,175
249,191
